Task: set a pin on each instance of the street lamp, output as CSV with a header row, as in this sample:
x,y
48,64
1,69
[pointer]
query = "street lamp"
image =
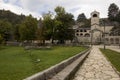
x,y
104,34
91,37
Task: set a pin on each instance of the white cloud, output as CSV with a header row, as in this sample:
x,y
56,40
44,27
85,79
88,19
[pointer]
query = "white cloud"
x,y
18,10
38,7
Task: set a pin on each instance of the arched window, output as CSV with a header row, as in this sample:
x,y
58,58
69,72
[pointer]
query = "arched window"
x,y
81,34
87,35
77,30
81,30
111,41
106,39
85,30
94,15
117,40
77,34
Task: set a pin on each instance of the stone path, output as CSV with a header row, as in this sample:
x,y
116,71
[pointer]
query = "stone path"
x,y
96,67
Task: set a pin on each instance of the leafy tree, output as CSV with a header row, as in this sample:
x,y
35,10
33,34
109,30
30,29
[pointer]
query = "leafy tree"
x,y
48,24
11,17
5,30
113,11
64,24
1,39
40,32
16,32
28,29
59,11
14,20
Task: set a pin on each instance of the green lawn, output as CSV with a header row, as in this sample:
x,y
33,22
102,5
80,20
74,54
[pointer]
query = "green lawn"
x,y
17,63
113,56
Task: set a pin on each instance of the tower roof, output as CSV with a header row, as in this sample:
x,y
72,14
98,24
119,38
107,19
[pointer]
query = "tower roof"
x,y
95,12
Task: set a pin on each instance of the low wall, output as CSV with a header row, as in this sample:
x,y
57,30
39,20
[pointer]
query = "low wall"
x,y
50,72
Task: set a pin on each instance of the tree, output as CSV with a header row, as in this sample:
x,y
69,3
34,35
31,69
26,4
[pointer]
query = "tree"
x,y
113,11
5,30
81,17
48,24
16,32
28,28
11,17
59,11
40,32
114,16
118,17
1,39
64,24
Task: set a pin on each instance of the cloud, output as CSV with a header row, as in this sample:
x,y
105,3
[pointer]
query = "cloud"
x,y
38,7
17,9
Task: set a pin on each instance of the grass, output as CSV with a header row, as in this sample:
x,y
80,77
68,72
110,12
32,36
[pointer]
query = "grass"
x,y
17,63
113,56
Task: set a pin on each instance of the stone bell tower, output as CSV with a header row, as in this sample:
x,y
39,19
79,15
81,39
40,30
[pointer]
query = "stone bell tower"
x,y
95,27
94,20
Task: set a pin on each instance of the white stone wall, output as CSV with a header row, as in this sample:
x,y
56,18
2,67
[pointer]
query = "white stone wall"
x,y
107,28
112,40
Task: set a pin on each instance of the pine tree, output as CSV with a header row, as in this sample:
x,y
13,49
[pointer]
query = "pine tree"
x,y
81,17
113,10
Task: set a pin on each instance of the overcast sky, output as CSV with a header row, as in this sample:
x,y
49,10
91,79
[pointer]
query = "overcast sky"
x,y
39,7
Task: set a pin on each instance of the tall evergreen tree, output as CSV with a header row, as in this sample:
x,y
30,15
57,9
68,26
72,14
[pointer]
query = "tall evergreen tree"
x,y
114,16
113,10
83,21
81,17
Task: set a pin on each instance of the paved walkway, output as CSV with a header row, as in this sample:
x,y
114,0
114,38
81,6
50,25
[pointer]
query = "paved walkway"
x,y
96,67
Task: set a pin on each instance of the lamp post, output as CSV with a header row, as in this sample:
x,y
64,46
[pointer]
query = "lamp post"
x,y
91,38
104,35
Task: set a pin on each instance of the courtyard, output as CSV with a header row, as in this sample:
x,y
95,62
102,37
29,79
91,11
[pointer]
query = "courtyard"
x,y
59,40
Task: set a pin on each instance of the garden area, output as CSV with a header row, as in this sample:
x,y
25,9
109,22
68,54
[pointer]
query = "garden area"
x,y
16,63
113,57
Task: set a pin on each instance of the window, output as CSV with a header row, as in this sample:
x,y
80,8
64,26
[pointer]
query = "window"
x,y
81,34
77,34
77,30
111,41
81,30
106,39
87,35
94,15
85,30
117,40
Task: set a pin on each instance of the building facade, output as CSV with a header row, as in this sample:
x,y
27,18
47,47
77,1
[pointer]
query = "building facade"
x,y
98,32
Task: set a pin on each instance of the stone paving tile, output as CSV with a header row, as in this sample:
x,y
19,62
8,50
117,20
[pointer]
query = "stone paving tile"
x,y
96,67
